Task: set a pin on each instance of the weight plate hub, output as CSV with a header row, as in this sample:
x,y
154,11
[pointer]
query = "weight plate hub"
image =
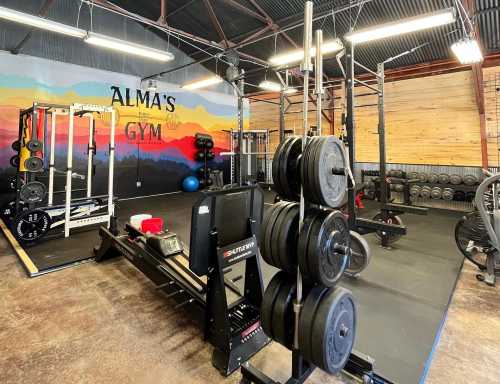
x,y
328,250
327,328
360,255
35,145
31,226
33,164
33,192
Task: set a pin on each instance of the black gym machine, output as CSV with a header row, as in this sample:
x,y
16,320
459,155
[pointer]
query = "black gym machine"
x,y
225,231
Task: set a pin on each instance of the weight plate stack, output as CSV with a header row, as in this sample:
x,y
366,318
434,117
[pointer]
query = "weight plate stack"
x,y
285,168
327,328
360,255
327,254
323,171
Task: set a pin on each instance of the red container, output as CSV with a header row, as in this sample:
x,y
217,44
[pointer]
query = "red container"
x,y
153,225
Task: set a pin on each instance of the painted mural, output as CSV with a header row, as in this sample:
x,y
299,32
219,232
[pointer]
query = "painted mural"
x,y
154,132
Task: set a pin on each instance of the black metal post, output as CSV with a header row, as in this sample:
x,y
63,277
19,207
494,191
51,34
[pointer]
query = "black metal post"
x,y
381,135
282,117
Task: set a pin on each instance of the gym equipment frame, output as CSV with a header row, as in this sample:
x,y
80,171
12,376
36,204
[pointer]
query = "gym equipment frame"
x,y
74,213
216,246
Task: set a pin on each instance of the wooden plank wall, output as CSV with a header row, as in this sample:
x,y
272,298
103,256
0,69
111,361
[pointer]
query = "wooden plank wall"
x,y
432,120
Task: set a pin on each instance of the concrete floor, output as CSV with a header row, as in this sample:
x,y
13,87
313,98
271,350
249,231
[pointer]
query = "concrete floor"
x,y
106,324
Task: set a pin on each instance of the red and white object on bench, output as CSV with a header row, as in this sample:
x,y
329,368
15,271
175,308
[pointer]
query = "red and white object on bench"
x,y
153,225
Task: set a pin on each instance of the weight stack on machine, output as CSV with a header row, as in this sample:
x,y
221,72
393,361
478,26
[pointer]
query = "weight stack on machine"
x,y
308,239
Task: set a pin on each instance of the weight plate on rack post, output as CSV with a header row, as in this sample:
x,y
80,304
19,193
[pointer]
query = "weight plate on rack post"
x,y
33,192
33,164
286,239
305,234
330,163
306,320
283,314
268,300
289,171
276,252
267,229
31,226
360,255
276,167
329,249
35,145
334,330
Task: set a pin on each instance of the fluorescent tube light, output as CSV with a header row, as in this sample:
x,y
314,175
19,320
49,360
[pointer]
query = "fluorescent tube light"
x,y
40,22
467,51
203,83
275,87
413,24
127,47
329,46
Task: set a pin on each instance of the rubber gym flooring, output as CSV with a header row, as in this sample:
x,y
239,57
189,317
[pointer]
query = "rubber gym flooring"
x,y
402,296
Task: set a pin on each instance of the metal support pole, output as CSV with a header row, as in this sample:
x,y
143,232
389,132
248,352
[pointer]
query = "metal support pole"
x,y
282,116
381,134
90,155
350,128
111,169
241,86
318,72
306,68
69,171
52,156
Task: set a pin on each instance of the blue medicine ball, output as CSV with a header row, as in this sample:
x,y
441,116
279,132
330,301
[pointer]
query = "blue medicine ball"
x,y
190,184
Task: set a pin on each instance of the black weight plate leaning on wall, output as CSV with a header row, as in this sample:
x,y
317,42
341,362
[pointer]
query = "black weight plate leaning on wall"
x,y
327,263
276,251
306,320
283,315
287,240
334,330
268,300
33,164
16,146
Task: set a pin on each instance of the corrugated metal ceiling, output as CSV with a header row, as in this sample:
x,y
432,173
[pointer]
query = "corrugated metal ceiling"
x,y
192,16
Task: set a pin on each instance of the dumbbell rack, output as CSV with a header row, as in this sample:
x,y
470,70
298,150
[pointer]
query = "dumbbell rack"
x,y
205,150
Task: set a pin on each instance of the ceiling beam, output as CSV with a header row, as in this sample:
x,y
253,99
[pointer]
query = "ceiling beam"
x,y
245,10
42,12
215,22
478,81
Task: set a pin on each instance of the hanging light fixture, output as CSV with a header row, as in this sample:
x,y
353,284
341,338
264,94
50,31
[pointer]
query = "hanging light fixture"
x,y
467,51
203,83
127,47
275,87
330,46
413,24
40,22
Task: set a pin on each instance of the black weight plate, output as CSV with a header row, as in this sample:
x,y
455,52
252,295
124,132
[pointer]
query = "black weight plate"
x,y
283,315
35,145
33,164
276,167
391,220
459,196
306,320
315,194
360,255
268,300
310,193
33,192
14,161
31,226
9,209
334,330
266,250
276,251
326,265
287,240
330,188
16,146
304,239
13,182
292,173
303,168
265,230
283,169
